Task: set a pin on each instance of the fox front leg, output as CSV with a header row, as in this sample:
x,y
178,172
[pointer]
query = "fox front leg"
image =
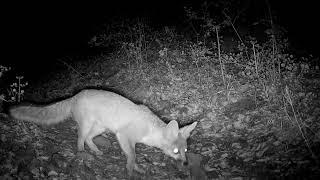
x,y
128,148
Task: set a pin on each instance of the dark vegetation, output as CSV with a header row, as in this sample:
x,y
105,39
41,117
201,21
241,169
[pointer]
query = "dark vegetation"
x,y
256,101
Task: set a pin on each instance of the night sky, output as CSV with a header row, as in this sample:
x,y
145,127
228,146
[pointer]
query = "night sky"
x,y
37,33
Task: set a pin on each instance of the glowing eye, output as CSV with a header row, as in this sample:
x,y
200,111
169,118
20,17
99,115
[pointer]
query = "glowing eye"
x,y
185,150
175,150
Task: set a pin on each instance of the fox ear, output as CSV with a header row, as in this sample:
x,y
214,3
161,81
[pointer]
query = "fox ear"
x,y
172,129
186,130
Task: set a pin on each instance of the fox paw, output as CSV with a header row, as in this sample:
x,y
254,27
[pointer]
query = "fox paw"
x,y
138,169
99,153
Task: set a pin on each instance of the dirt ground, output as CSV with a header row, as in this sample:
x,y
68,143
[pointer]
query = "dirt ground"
x,y
29,151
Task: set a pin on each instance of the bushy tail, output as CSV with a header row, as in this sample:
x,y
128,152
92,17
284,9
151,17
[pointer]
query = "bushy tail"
x,y
49,114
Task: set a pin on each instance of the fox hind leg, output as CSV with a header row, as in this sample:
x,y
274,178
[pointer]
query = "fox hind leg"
x,y
95,131
82,132
86,132
84,128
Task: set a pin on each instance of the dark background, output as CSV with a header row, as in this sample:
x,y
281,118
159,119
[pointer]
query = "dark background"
x,y
37,33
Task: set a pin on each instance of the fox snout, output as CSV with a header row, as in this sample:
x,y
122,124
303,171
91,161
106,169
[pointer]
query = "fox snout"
x,y
183,156
184,162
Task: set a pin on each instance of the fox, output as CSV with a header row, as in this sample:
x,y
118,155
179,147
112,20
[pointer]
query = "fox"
x,y
99,111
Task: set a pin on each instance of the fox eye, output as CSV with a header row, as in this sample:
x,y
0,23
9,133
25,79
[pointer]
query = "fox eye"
x,y
185,150
175,150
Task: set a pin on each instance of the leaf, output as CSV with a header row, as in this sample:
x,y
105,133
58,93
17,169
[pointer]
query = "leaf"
x,y
260,153
276,143
52,173
3,138
247,159
224,155
35,171
236,145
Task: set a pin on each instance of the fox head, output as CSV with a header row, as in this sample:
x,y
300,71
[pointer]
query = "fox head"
x,y
176,140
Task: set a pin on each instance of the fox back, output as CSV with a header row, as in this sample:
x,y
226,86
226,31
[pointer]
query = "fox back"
x,y
97,111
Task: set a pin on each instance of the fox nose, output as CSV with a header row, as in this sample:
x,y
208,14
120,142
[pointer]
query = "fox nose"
x,y
184,163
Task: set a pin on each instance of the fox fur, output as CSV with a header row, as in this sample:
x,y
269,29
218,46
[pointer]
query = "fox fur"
x,y
97,111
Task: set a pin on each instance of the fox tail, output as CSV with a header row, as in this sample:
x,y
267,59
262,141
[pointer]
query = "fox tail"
x,y
49,114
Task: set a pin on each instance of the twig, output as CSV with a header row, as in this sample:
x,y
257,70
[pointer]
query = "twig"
x,y
69,66
289,100
235,30
220,60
